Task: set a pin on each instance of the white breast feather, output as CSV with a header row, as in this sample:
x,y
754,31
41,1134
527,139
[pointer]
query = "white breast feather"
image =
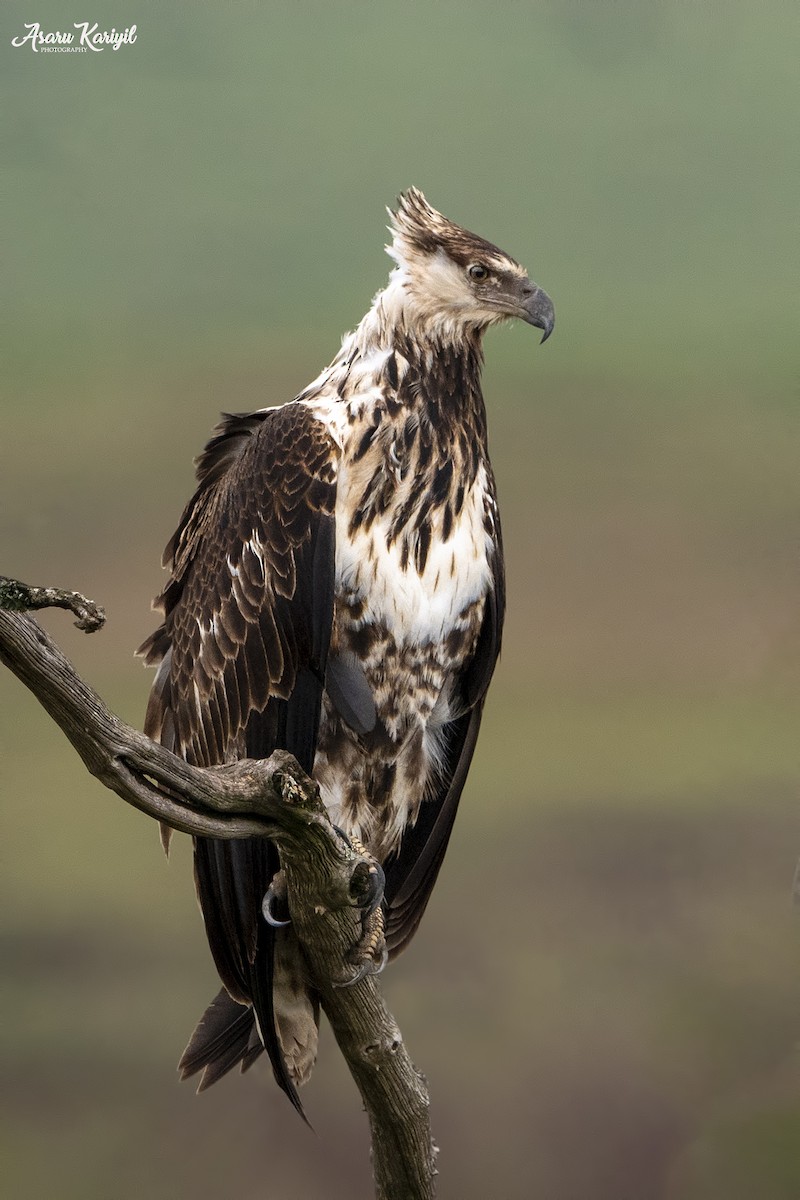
x,y
418,608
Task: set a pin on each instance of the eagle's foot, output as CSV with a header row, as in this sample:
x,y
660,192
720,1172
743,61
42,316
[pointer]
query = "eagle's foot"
x,y
367,883
369,954
274,902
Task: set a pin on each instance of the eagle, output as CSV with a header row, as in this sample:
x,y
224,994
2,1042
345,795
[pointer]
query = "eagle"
x,y
336,590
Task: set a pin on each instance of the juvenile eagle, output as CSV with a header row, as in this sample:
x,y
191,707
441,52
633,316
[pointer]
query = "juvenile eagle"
x,y
337,591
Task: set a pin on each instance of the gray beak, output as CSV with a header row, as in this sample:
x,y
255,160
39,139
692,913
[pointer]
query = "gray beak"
x,y
537,309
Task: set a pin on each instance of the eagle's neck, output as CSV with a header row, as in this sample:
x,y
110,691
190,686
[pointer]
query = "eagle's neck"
x,y
402,311
399,345
404,361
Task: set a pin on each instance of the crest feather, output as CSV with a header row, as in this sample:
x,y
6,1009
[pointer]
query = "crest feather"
x,y
418,224
419,229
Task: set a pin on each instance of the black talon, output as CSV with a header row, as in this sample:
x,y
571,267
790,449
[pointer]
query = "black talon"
x,y
266,908
368,967
370,884
360,974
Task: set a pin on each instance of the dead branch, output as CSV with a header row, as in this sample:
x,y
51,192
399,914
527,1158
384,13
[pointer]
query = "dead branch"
x,y
271,798
22,597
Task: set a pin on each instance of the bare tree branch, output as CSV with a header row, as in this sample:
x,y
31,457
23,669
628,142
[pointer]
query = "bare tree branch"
x,y
271,798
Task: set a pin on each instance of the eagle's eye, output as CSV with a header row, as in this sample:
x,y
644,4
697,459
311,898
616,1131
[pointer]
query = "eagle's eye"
x,y
478,271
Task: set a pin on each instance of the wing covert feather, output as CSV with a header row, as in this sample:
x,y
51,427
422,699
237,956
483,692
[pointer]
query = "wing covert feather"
x,y
250,599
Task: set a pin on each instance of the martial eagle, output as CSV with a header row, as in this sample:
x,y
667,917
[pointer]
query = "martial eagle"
x,y
337,591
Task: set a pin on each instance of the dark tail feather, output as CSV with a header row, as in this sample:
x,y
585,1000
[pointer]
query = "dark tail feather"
x,y
226,1034
261,987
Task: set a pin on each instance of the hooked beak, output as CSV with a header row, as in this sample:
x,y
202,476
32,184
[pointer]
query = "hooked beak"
x,y
537,309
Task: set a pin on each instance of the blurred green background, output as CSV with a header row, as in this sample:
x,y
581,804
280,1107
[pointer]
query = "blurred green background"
x,y
604,994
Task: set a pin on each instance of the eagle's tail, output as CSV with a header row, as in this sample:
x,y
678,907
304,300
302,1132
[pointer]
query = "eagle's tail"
x,y
226,1035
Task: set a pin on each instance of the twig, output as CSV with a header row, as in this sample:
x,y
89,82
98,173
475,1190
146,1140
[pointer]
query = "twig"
x,y
21,597
252,798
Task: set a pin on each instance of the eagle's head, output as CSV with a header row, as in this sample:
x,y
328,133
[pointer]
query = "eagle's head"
x,y
455,280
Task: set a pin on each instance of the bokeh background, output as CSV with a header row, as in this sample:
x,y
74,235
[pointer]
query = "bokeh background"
x,y
604,994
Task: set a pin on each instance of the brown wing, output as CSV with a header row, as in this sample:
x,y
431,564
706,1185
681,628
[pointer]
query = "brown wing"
x,y
242,650
411,872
